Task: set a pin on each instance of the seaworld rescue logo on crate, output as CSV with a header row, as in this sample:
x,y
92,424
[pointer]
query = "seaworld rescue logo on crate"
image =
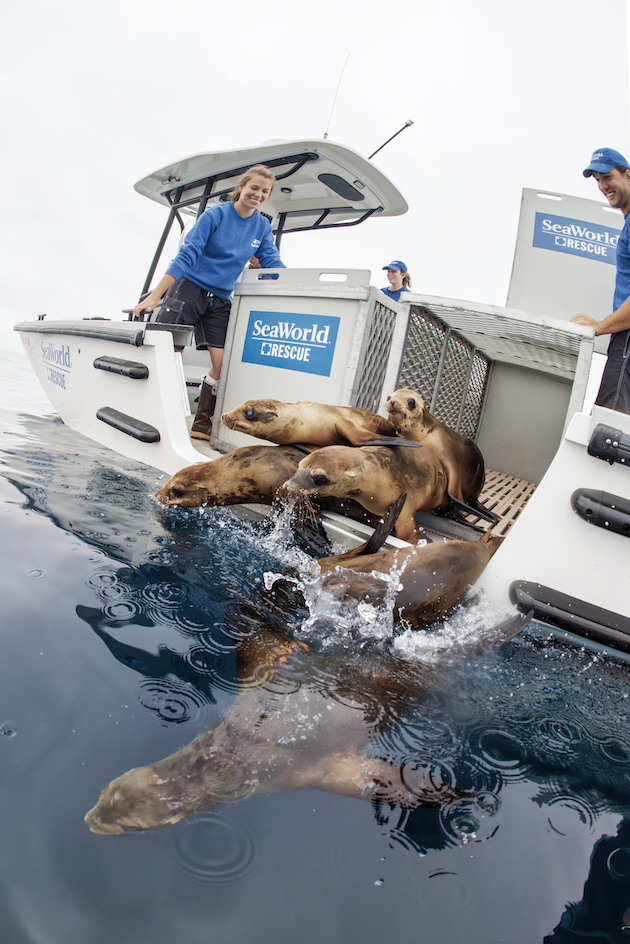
x,y
295,342
591,240
56,358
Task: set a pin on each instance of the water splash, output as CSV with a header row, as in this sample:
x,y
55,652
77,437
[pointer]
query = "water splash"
x,y
333,617
473,626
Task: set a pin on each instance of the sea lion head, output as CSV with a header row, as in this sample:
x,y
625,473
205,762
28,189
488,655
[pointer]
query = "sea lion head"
x,y
406,409
331,471
256,417
136,801
188,487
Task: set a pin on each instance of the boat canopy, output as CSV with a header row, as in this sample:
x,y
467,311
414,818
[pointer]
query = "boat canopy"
x,y
320,185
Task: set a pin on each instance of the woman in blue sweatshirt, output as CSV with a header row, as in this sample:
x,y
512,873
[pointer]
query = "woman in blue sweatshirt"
x,y
200,280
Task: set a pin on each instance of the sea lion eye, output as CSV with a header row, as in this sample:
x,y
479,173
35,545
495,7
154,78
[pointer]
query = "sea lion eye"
x,y
177,492
320,480
411,403
249,414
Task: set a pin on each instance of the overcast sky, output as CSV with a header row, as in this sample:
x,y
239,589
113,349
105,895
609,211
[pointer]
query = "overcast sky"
x,y
502,95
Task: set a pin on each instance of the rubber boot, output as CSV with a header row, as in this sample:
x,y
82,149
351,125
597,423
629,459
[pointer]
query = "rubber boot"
x,y
202,427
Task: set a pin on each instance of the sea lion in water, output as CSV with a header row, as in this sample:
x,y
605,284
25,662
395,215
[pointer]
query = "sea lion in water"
x,y
250,474
313,423
303,720
460,457
375,477
434,577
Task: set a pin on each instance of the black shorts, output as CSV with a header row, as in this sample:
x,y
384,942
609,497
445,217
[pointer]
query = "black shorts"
x,y
188,304
614,390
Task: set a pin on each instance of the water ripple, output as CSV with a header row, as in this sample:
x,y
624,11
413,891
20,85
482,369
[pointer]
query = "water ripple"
x,y
121,610
618,863
172,702
445,893
500,752
570,816
211,850
165,594
470,820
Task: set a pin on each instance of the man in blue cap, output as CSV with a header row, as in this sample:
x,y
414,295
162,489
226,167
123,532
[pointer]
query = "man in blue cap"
x,y
612,173
398,278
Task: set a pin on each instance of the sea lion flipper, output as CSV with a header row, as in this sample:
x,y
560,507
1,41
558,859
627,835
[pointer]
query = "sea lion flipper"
x,y
306,448
456,515
386,441
385,526
374,543
473,508
482,511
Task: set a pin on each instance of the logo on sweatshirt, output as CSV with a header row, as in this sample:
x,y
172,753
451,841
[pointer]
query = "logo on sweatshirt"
x,y
293,341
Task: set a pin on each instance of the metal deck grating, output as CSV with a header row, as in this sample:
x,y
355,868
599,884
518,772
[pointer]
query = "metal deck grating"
x,y
506,496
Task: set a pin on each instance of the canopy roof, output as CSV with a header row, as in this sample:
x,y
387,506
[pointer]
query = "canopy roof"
x,y
320,184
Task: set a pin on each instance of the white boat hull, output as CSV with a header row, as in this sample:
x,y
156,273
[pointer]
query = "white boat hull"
x,y
64,363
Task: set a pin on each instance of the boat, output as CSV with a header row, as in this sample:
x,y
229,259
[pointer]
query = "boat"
x,y
514,379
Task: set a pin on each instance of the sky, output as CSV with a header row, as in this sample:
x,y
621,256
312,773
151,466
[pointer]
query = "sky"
x,y
502,96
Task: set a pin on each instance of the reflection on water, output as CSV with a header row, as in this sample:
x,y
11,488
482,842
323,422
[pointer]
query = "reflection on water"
x,y
130,630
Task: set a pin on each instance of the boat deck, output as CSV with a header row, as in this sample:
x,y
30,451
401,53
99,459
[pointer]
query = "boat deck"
x,y
506,495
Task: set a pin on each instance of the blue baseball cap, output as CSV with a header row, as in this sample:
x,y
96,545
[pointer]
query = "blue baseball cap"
x,y
397,265
604,160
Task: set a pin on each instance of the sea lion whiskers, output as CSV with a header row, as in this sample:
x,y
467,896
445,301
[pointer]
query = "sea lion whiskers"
x,y
302,512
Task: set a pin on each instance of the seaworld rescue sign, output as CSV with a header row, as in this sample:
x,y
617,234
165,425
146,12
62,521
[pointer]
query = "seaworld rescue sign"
x,y
292,341
56,358
591,240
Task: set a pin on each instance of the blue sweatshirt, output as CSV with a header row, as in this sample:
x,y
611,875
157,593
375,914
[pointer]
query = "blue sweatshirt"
x,y
219,246
622,282
394,295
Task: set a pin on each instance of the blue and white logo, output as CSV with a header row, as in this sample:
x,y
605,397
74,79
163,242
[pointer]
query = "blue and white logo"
x,y
56,358
591,240
292,341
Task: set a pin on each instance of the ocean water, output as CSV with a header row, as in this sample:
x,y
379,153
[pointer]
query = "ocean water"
x,y
130,629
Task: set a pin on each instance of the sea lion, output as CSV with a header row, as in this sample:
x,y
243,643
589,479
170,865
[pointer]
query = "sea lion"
x,y
314,423
375,477
249,474
460,457
302,720
434,578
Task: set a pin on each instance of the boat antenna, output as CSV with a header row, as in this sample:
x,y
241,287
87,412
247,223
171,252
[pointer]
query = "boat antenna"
x,y
406,125
335,98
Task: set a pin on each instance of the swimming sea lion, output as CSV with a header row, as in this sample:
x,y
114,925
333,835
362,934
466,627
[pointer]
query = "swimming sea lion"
x,y
375,477
460,457
315,423
434,579
303,720
250,474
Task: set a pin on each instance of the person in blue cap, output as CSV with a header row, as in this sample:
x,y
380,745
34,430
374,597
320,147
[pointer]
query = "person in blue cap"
x,y
398,278
612,173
